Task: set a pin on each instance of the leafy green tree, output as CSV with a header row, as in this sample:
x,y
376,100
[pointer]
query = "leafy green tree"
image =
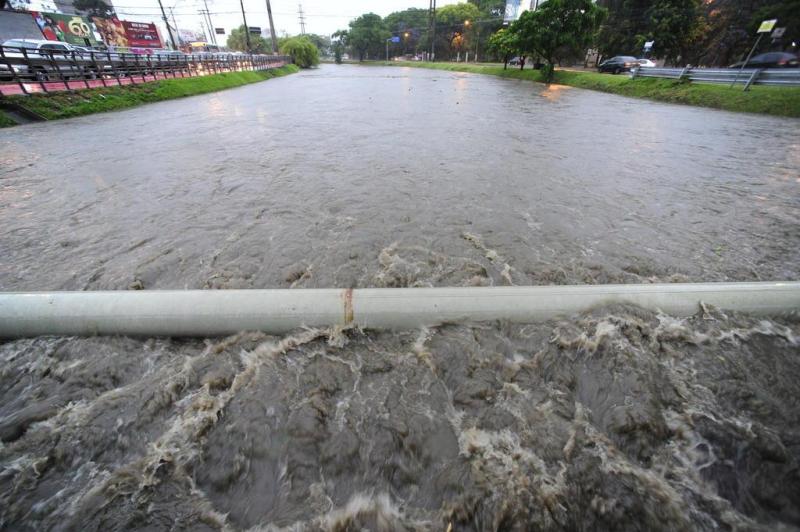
x,y
94,8
339,41
453,35
622,33
788,15
557,29
322,42
505,44
238,41
674,25
411,25
367,35
304,52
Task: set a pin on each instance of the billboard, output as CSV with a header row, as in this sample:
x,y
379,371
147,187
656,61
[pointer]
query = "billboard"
x,y
68,28
191,36
514,8
142,34
112,31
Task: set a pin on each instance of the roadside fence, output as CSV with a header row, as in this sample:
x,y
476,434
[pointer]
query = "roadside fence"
x,y
27,71
786,77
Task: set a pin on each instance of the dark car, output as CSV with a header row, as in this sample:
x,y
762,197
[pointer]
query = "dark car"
x,y
770,60
620,63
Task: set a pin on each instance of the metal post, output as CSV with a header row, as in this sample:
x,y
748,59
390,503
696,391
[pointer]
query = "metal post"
x,y
246,28
272,29
80,68
13,72
753,49
210,24
753,78
387,49
113,68
175,23
432,32
169,28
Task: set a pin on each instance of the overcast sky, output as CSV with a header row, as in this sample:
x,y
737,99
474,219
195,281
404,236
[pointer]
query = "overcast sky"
x,y
322,16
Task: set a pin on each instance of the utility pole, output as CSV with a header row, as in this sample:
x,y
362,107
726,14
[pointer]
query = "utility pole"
x,y
302,18
432,30
246,28
272,29
206,24
210,24
169,28
175,24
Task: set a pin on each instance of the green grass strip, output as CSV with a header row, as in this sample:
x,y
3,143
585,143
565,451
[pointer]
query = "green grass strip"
x,y
5,121
57,105
778,101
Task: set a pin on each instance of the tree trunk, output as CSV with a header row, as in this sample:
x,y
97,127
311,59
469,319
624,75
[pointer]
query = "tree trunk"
x,y
522,62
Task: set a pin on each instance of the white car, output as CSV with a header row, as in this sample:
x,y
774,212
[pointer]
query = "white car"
x,y
645,63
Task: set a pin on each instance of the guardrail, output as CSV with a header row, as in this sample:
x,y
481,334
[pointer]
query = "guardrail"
x,y
786,77
25,70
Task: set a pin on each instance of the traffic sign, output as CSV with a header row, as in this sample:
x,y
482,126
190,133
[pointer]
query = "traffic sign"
x,y
220,31
767,26
255,29
396,39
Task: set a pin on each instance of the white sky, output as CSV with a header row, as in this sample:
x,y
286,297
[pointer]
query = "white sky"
x,y
322,16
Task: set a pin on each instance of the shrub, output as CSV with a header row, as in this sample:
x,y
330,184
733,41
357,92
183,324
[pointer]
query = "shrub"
x,y
303,52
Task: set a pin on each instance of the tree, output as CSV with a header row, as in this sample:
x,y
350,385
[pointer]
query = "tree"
x,y
557,29
94,8
322,43
237,40
453,34
411,26
367,35
303,51
674,27
505,44
622,33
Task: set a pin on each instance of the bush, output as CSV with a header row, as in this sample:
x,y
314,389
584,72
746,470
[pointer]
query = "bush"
x,y
303,52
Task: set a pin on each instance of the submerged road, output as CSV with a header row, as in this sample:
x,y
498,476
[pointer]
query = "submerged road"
x,y
615,419
372,176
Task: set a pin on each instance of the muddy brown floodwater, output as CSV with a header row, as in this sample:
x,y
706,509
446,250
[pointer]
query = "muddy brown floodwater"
x,y
350,176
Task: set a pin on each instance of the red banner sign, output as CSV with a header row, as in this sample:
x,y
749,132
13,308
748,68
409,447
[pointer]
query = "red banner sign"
x,y
141,34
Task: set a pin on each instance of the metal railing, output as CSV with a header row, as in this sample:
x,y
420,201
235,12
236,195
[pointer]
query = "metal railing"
x,y
27,70
786,77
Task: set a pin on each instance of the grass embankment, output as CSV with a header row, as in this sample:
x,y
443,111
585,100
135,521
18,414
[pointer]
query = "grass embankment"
x,y
5,121
65,104
779,101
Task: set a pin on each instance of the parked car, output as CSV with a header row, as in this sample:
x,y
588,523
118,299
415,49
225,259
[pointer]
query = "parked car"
x,y
645,63
620,63
515,61
770,60
44,60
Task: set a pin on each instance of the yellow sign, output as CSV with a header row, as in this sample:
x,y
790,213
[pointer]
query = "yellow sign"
x,y
767,26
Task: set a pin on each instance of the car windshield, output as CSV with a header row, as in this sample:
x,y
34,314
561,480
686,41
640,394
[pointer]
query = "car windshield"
x,y
399,265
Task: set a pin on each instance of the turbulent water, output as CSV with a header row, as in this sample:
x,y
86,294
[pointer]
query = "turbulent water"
x,y
350,177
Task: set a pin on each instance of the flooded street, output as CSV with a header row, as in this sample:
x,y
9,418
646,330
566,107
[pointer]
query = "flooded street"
x,y
356,176
349,176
